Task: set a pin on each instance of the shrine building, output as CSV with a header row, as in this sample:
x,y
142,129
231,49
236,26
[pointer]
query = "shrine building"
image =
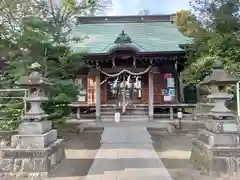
x,y
132,60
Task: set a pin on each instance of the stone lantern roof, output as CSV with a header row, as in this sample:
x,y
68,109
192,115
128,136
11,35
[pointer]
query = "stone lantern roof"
x,y
220,76
35,78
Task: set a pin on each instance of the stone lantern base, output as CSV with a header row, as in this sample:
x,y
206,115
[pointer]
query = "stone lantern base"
x,y
216,154
34,151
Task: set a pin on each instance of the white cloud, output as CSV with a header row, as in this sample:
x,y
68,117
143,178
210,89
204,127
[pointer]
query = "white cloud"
x,y
135,2
123,7
116,9
132,7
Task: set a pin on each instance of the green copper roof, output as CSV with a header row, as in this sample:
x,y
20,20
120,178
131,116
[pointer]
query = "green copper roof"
x,y
141,36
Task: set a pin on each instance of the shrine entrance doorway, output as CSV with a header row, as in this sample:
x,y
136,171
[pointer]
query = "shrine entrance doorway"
x,y
124,88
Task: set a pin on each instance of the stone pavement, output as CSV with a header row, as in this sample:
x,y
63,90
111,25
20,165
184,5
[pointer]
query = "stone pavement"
x,y
127,153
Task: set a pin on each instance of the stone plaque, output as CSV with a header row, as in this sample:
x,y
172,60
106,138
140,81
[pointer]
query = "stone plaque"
x,y
230,128
34,127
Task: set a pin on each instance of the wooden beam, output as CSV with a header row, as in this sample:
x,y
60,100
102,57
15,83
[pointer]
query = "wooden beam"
x,y
93,72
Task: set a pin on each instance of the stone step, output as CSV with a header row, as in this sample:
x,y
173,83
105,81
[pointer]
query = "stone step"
x,y
125,120
136,173
126,116
134,120
128,109
126,113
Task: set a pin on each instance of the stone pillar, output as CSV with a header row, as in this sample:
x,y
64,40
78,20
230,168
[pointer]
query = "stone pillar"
x,y
35,149
150,95
98,97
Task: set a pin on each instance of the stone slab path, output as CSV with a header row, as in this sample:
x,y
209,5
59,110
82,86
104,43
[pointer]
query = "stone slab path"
x,y
127,153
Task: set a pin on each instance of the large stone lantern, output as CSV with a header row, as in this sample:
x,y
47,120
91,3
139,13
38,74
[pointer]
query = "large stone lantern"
x,y
216,148
35,149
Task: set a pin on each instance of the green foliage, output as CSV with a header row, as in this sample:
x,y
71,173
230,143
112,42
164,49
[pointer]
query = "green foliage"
x,y
11,109
87,8
198,70
187,23
10,116
69,4
216,37
57,110
97,7
43,37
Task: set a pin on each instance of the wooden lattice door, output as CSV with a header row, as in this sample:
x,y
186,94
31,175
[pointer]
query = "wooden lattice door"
x,y
104,93
91,83
158,84
145,89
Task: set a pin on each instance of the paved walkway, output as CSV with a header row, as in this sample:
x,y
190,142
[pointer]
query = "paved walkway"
x,y
127,153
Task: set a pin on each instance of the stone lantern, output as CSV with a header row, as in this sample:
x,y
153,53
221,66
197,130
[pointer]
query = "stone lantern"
x,y
216,148
35,149
223,118
35,84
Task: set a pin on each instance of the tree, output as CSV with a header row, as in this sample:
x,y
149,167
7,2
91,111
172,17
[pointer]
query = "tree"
x,y
217,37
211,11
12,12
144,12
94,7
43,36
187,23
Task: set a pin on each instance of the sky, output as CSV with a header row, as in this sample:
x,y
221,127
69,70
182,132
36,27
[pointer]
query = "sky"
x,y
132,7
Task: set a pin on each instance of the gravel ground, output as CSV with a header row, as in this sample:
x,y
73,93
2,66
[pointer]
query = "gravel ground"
x,y
80,153
175,152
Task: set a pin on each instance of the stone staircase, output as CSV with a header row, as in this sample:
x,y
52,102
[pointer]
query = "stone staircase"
x,y
136,115
133,113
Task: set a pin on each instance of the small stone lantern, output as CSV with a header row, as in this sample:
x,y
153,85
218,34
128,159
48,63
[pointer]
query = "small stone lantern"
x,y
223,119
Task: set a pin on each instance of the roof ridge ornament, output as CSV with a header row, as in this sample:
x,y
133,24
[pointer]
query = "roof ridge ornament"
x,y
123,38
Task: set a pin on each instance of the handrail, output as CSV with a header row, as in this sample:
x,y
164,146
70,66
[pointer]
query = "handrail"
x,y
16,97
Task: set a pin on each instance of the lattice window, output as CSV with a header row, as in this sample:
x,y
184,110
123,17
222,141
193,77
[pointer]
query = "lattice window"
x,y
81,82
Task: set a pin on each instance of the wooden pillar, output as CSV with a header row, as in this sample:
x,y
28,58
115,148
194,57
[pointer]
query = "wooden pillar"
x,y
150,95
78,113
124,89
98,96
132,95
178,84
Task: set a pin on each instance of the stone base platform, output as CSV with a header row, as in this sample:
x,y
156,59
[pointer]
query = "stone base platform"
x,y
32,162
34,141
216,154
